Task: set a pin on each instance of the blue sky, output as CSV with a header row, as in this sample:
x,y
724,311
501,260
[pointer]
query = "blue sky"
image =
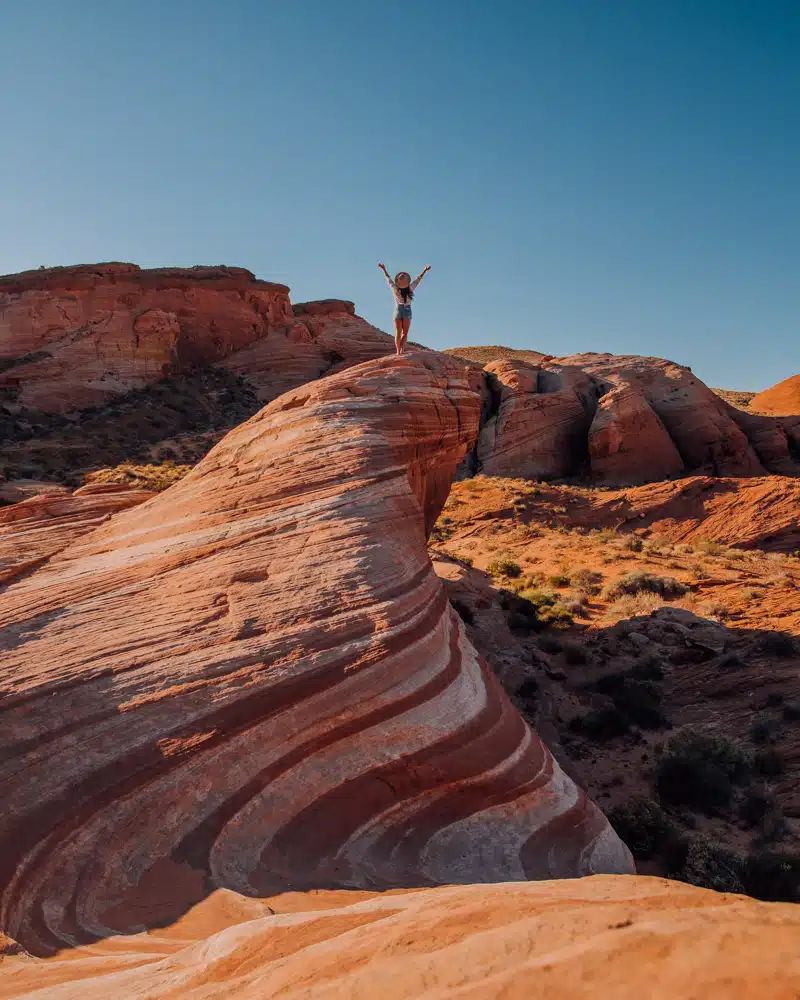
x,y
617,176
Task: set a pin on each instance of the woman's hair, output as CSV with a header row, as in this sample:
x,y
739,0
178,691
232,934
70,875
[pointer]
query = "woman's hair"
x,y
406,293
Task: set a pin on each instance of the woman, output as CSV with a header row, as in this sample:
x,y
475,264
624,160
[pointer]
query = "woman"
x,y
403,290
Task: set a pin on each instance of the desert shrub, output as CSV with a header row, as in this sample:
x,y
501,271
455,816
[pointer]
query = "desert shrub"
x,y
604,723
503,566
559,580
709,547
521,615
632,543
606,535
700,770
648,667
556,614
769,762
575,653
640,582
586,580
732,659
550,644
635,697
756,804
574,606
773,876
715,609
777,644
640,702
634,605
644,826
764,729
702,861
143,477
540,597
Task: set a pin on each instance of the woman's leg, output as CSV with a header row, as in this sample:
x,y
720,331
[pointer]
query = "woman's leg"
x,y
406,325
398,335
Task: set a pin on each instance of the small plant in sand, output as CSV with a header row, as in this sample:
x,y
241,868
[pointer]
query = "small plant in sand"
x,y
504,566
640,582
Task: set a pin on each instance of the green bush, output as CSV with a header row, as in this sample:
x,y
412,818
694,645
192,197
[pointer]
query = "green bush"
x,y
504,566
710,865
540,597
644,826
558,580
640,582
700,770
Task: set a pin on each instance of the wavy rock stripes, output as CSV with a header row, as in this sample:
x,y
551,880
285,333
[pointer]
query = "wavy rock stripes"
x,y
255,681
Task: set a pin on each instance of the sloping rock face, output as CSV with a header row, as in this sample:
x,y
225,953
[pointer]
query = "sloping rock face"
x,y
75,337
623,419
625,427
782,399
323,338
638,937
539,420
255,681
34,530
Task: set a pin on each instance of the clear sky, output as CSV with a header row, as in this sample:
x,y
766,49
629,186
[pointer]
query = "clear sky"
x,y
610,175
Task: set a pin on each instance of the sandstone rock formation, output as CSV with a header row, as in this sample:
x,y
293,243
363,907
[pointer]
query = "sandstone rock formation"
x,y
622,938
622,419
255,681
623,429
74,337
34,530
782,399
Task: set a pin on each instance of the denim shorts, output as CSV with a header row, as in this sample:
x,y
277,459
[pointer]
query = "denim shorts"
x,y
402,312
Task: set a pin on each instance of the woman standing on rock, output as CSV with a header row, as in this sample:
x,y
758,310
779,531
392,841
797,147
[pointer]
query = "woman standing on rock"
x,y
403,290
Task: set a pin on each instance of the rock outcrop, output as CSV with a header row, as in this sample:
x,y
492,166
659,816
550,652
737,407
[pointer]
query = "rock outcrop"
x,y
622,419
73,337
255,681
782,399
623,429
636,937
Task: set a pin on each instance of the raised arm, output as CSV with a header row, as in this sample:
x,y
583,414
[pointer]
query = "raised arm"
x,y
386,275
417,280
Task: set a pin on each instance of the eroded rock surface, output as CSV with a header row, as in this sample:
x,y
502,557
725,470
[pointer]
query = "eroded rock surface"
x,y
73,337
255,681
638,937
623,419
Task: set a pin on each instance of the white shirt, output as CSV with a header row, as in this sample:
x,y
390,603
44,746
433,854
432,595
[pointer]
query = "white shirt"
x,y
396,291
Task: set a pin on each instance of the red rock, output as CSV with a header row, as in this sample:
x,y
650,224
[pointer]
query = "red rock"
x,y
255,681
624,429
782,399
659,419
33,531
80,336
539,422
324,338
743,513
